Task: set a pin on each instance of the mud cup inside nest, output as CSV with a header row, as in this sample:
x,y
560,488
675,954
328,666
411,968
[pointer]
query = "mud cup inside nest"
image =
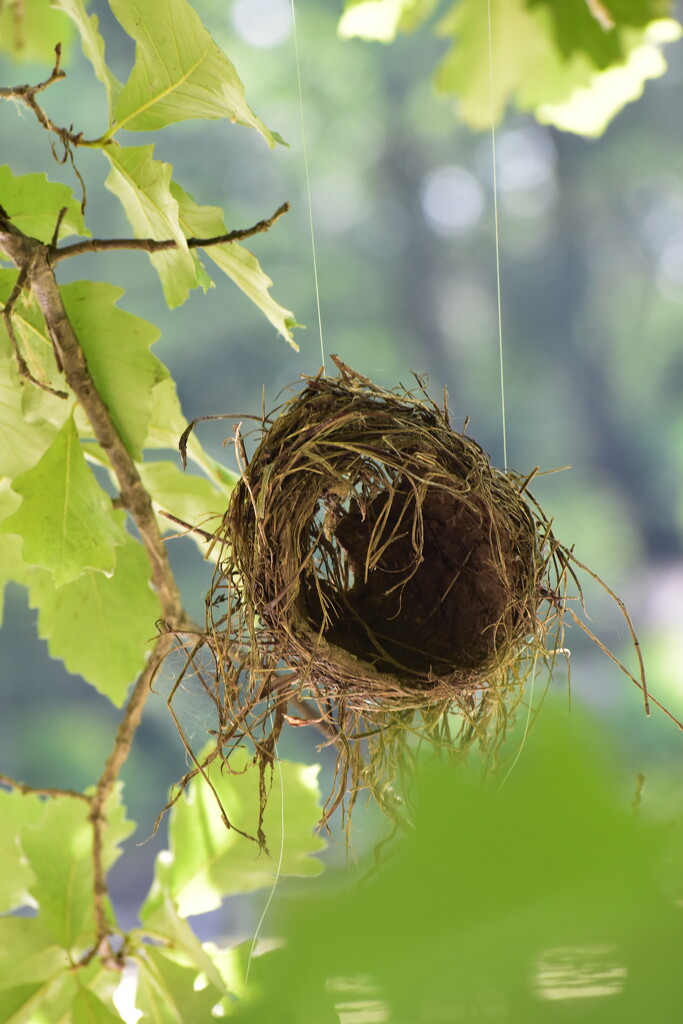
x,y
377,576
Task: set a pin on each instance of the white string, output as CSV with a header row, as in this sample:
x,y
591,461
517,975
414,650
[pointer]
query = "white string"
x,y
497,231
278,871
308,187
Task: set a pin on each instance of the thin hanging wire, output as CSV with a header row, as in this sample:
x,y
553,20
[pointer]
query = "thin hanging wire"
x,y
497,232
308,187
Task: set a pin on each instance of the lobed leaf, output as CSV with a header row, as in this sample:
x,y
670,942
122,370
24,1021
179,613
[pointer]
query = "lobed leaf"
x,y
66,520
116,346
101,627
22,444
565,89
538,901
59,853
34,203
16,809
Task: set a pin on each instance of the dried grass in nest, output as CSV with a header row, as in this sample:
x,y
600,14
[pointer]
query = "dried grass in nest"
x,y
377,576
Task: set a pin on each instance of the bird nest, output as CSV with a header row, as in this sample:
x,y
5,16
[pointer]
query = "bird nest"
x,y
377,576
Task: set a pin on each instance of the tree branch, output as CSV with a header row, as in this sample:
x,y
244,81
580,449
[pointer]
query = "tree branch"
x,y
33,260
21,787
152,245
112,769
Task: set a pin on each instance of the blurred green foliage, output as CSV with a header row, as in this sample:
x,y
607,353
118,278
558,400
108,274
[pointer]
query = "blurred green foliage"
x,y
543,899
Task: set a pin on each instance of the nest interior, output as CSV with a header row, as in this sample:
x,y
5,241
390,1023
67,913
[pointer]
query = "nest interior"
x,y
378,548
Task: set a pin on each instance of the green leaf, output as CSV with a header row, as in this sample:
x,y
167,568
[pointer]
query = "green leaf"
x,y
16,809
93,46
142,184
594,30
589,109
193,499
179,71
66,519
34,35
21,444
87,1008
381,20
33,204
166,426
503,901
530,70
116,346
160,918
234,260
211,861
101,627
28,953
12,567
166,992
59,852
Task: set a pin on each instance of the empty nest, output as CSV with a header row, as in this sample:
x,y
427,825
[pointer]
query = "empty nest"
x,y
378,577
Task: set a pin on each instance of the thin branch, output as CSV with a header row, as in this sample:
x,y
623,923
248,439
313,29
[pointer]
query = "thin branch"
x,y
21,787
112,769
152,245
26,94
33,259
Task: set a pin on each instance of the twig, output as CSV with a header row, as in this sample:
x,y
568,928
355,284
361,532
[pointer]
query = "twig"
x,y
112,769
153,245
21,787
7,311
26,94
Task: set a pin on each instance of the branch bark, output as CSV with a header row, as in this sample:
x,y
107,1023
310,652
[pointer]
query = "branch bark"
x,y
153,245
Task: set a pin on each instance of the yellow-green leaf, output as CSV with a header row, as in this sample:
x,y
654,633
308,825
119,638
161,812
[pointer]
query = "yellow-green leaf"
x,y
66,520
179,71
101,627
34,203
116,346
142,184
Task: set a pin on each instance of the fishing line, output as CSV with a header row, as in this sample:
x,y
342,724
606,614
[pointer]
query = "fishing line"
x,y
308,186
278,871
497,234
